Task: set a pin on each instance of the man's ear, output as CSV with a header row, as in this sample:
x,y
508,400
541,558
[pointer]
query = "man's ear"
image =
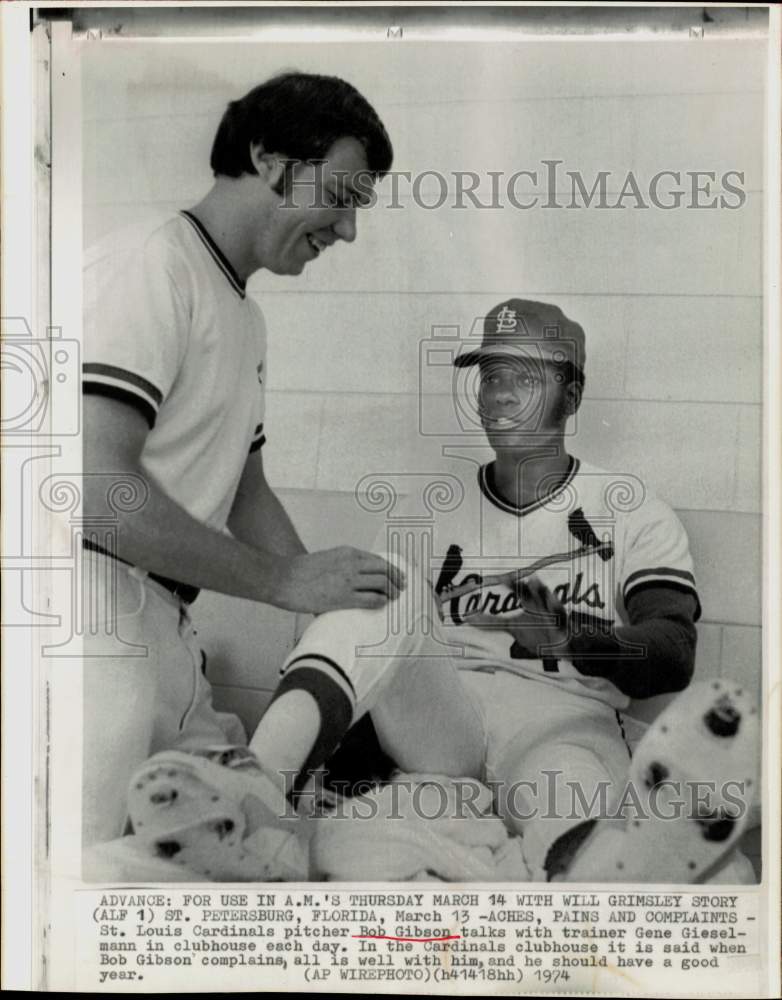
x,y
269,166
573,393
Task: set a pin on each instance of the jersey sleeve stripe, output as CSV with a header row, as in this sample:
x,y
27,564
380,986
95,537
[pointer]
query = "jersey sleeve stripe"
x,y
662,576
682,587
123,395
660,571
112,375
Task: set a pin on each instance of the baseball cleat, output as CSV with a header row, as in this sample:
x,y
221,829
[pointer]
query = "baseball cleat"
x,y
694,775
217,813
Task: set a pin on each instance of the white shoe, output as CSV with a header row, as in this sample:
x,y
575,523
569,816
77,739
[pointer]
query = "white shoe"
x,y
694,773
218,813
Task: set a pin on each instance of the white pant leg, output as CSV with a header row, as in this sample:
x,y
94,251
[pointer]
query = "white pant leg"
x,y
554,758
201,725
119,694
151,699
396,663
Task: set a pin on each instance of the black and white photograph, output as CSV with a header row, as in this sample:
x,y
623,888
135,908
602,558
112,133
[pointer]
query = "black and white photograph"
x,y
410,520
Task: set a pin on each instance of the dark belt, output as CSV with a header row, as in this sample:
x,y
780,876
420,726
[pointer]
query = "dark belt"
x,y
182,591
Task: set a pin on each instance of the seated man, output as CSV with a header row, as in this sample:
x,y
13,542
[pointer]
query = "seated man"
x,y
561,592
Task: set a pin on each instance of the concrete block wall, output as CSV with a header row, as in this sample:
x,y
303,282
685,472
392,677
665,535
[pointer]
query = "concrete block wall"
x,y
670,300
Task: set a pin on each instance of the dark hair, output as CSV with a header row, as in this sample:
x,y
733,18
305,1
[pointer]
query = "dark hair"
x,y
299,115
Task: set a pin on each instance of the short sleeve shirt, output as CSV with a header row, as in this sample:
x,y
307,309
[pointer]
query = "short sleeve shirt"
x,y
169,329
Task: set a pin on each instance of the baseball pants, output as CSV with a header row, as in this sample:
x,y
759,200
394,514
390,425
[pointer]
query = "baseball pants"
x,y
155,698
438,713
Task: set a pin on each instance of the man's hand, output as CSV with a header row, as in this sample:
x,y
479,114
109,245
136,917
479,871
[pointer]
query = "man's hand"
x,y
541,629
337,578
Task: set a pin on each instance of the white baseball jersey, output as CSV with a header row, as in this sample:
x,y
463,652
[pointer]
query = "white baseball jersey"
x,y
594,541
169,328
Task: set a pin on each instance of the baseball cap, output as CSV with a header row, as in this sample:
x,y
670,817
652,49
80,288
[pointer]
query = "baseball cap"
x,y
520,327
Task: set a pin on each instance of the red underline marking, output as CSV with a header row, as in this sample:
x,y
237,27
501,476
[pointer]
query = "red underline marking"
x,y
390,937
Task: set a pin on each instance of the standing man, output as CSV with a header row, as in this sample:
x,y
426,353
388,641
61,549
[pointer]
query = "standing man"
x,y
173,385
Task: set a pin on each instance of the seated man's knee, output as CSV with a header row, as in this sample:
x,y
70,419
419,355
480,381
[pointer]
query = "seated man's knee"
x,y
557,782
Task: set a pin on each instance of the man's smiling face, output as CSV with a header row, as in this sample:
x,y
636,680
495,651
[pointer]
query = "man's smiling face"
x,y
317,205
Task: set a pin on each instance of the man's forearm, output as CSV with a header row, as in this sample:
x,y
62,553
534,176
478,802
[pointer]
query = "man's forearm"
x,y
651,658
653,653
259,519
161,537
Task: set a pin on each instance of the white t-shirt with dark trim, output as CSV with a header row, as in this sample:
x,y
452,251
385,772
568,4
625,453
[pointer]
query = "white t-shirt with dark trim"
x,y
593,540
169,329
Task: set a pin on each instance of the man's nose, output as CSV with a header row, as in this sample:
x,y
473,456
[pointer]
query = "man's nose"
x,y
345,226
505,392
499,397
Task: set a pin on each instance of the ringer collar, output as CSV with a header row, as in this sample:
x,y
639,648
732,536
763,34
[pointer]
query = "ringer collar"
x,y
218,256
488,488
